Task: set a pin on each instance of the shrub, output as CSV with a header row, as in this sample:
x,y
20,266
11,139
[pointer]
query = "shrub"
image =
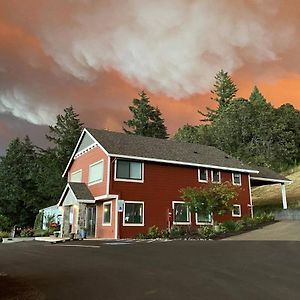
x,y
41,232
4,223
264,217
38,223
229,225
207,232
140,236
4,234
153,232
27,232
177,232
165,233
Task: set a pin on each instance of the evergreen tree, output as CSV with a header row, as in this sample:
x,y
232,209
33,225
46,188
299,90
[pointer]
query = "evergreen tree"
x,y
65,134
193,134
256,97
223,93
147,120
18,185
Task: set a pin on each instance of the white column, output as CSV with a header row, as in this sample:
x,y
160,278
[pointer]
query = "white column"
x,y
283,195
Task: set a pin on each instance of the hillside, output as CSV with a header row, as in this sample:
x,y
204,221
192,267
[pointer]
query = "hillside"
x,y
271,195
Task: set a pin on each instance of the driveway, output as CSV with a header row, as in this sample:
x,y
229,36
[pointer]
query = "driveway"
x,y
280,231
150,270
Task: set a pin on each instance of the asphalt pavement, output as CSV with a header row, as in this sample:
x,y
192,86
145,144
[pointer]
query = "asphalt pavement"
x,y
150,270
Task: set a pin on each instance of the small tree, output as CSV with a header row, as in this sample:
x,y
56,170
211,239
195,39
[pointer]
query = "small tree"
x,y
215,199
147,120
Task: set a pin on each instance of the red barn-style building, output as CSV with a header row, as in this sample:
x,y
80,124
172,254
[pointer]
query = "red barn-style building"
x,y
119,185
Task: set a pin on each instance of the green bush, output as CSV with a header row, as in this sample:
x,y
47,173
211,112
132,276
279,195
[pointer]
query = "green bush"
x,y
176,232
4,234
4,223
153,232
229,225
38,223
264,217
27,232
140,236
165,233
41,232
207,232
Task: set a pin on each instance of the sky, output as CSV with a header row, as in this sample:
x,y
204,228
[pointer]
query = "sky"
x,y
98,54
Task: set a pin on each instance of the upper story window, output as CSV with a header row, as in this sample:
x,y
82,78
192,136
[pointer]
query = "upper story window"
x,y
129,170
76,176
215,176
203,175
236,178
96,172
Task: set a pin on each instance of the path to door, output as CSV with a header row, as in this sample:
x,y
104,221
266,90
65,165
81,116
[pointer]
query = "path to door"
x,y
280,231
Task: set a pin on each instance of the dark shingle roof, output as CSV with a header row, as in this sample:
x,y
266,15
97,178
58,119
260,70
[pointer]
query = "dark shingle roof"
x,y
266,173
81,191
153,148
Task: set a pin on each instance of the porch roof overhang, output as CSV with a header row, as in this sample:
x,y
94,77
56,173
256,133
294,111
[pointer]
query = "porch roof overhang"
x,y
78,192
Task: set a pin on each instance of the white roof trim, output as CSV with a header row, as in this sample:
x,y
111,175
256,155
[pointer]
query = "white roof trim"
x,y
184,163
272,180
77,145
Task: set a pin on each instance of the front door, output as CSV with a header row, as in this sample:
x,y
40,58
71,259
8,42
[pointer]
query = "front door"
x,y
91,221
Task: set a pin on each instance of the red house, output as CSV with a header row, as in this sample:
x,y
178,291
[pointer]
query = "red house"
x,y
119,185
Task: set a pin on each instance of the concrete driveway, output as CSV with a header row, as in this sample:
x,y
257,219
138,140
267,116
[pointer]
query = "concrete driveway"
x,y
280,231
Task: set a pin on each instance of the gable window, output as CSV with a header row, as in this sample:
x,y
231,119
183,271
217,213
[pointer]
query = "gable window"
x,y
215,176
107,210
236,211
76,176
133,214
129,170
181,214
96,172
203,175
236,178
203,219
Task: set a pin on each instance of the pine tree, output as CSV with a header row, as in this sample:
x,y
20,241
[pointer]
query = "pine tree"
x,y
223,93
147,120
256,97
65,134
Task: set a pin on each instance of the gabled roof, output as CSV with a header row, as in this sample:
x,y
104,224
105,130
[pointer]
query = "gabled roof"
x,y
269,176
147,148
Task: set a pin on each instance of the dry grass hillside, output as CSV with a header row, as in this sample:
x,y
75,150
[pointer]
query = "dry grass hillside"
x,y
270,195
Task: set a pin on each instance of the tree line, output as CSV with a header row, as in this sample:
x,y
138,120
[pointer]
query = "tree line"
x,y
251,130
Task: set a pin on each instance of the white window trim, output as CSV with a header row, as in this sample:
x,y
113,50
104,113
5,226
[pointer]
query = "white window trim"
x,y
240,209
212,177
75,172
97,181
189,214
206,171
104,204
240,175
204,223
134,224
129,180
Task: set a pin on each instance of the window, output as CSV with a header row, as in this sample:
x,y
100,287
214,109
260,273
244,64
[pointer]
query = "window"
x,y
215,176
203,175
131,170
236,178
107,209
236,212
181,213
203,219
96,172
76,176
133,214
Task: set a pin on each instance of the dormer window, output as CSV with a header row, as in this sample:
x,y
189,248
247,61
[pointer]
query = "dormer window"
x,y
129,170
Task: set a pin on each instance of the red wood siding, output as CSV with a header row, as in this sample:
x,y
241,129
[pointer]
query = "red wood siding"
x,y
83,162
161,186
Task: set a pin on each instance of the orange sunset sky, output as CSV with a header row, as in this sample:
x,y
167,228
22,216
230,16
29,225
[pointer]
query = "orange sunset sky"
x,y
96,56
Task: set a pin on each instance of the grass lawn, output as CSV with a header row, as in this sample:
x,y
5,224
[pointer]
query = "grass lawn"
x,y
270,195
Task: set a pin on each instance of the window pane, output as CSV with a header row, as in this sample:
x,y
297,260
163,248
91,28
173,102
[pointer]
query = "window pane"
x,y
96,172
202,218
203,174
236,210
122,169
133,213
135,170
181,212
216,176
237,178
76,177
106,214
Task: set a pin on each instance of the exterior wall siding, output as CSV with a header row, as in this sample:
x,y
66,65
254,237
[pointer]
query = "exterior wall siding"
x,y
161,186
83,162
